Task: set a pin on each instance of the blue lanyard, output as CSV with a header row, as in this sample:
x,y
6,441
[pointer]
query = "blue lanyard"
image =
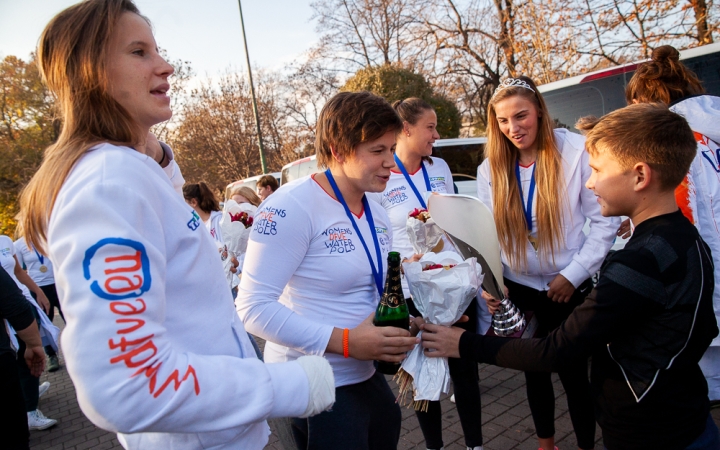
x,y
377,272
412,185
40,258
527,209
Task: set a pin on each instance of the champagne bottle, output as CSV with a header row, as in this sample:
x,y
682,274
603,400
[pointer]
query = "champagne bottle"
x,y
392,310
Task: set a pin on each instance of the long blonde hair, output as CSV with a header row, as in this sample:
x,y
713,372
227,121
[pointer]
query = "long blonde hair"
x,y
502,156
72,56
246,192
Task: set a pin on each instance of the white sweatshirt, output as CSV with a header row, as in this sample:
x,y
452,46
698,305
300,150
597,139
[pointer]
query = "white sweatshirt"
x,y
303,251
702,199
152,343
213,227
7,261
31,260
581,256
48,332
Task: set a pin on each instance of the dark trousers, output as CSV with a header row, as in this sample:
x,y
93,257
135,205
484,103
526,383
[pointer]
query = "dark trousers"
x,y
364,417
51,293
14,425
464,375
28,382
574,378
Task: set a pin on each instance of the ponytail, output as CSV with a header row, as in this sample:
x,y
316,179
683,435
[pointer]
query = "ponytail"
x,y
662,79
201,193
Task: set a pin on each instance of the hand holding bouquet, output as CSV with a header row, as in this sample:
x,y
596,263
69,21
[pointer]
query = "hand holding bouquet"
x,y
425,236
442,287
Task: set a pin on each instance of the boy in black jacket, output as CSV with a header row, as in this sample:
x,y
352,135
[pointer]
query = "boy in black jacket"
x,y
650,318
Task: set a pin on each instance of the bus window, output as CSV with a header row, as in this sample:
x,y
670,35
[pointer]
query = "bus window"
x,y
462,159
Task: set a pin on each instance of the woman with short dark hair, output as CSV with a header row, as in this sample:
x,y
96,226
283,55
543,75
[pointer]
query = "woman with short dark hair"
x,y
313,275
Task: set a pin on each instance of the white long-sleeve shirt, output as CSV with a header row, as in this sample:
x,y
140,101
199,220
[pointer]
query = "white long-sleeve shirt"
x,y
582,255
152,343
306,272
702,196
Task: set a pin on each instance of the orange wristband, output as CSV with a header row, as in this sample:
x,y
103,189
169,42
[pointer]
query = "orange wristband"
x,y
346,344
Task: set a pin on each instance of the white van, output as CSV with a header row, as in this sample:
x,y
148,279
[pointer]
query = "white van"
x,y
462,155
298,169
250,182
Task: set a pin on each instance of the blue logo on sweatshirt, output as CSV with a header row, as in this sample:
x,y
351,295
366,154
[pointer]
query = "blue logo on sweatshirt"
x,y
194,222
117,268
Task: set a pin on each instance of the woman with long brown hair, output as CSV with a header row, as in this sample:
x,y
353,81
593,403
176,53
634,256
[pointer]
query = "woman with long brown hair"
x,y
415,175
533,179
153,345
664,79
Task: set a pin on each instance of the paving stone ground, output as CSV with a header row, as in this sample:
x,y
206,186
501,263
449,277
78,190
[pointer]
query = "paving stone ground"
x,y
507,423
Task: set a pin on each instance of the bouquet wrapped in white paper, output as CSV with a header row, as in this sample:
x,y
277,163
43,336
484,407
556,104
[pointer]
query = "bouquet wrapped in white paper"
x,y
424,234
236,225
442,287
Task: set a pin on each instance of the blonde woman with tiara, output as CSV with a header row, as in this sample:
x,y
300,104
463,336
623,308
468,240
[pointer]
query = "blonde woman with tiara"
x,y
533,179
153,345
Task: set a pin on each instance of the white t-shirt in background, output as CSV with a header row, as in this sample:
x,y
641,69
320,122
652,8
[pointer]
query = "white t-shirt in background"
x,y
32,261
399,200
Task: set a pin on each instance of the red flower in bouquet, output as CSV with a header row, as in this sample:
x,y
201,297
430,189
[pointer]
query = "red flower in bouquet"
x,y
439,266
420,214
243,218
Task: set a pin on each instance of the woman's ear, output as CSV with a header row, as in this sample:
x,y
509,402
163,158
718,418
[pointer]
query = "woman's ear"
x,y
406,129
336,156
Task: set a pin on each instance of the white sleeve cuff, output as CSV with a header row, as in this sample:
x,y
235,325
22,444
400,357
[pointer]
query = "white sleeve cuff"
x,y
575,273
291,389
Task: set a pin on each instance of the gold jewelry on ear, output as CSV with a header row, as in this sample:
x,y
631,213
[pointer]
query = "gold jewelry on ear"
x,y
405,129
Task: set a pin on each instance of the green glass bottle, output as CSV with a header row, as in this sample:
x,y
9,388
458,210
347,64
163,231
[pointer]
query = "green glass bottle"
x,y
392,310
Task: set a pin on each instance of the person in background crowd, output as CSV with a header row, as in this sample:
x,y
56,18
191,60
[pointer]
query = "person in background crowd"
x,y
666,80
416,173
30,383
206,205
152,342
313,275
533,180
649,320
243,194
19,314
39,268
266,185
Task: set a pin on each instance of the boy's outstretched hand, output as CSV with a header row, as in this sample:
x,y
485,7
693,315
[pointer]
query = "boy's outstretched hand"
x,y
440,341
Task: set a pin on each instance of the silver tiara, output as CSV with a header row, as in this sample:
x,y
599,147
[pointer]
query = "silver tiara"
x,y
512,82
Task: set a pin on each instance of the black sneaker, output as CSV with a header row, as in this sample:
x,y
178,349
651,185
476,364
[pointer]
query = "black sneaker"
x,y
53,364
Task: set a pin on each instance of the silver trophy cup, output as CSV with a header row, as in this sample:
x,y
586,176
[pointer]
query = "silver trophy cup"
x,y
508,319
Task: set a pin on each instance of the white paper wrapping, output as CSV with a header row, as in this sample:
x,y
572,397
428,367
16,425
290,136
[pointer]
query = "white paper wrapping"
x,y
424,236
441,296
235,234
